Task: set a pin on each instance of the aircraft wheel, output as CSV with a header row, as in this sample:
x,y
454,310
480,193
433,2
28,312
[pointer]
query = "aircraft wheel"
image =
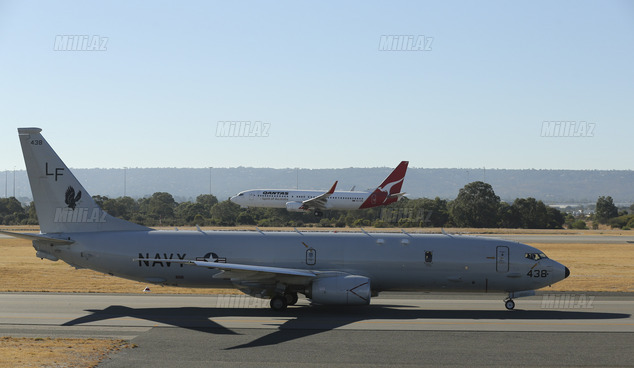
x,y
291,298
318,213
509,304
278,303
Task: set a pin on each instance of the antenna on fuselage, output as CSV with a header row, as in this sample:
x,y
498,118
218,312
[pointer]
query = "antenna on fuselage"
x,y
297,231
406,233
445,233
258,229
365,232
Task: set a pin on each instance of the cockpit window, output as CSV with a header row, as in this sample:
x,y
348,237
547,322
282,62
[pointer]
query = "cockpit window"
x,y
535,256
240,195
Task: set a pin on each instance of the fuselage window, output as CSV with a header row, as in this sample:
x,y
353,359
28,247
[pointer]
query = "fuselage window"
x,y
428,256
535,256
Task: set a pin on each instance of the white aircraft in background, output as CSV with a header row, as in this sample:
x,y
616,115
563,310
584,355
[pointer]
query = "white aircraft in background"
x,y
295,200
328,268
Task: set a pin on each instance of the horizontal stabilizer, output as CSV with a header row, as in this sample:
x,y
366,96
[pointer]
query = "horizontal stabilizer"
x,y
31,236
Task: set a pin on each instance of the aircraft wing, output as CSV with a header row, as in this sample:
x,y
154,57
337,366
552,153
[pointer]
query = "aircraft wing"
x,y
319,202
55,241
251,273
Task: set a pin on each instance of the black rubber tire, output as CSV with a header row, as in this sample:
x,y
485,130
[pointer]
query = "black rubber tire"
x,y
278,303
291,298
509,304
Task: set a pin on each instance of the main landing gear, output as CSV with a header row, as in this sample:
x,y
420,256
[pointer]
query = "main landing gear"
x,y
318,213
291,298
509,304
280,302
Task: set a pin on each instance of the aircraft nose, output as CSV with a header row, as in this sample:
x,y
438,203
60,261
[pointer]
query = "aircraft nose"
x,y
567,273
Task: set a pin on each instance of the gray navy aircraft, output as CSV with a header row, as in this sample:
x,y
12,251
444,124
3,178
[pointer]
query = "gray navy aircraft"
x,y
327,268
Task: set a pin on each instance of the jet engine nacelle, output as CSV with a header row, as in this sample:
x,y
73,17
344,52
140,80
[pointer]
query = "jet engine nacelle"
x,y
295,207
341,290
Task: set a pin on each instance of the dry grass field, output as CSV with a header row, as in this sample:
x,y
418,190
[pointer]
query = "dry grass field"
x,y
20,270
594,267
47,352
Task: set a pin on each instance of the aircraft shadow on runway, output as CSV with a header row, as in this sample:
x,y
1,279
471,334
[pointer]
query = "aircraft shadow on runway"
x,y
305,321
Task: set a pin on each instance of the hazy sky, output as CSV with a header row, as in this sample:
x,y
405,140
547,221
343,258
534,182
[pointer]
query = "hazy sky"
x,y
316,75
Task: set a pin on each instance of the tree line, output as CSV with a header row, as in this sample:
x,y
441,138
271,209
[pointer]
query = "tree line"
x,y
476,206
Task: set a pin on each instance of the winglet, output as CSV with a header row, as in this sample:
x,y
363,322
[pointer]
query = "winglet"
x,y
319,202
332,190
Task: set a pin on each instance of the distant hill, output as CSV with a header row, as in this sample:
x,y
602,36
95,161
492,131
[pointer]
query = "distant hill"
x,y
551,186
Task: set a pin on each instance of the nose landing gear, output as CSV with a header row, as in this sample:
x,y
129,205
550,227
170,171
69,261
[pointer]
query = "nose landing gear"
x,y
510,304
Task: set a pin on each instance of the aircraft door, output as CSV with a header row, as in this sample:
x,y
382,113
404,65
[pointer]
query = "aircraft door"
x,y
502,259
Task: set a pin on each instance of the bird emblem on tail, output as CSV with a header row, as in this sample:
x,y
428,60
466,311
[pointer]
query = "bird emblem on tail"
x,y
71,198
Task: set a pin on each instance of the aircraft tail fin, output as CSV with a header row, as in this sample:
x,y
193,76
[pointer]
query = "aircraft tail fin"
x,y
390,189
393,183
61,202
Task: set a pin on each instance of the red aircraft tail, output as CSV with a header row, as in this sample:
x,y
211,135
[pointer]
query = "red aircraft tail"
x,y
390,190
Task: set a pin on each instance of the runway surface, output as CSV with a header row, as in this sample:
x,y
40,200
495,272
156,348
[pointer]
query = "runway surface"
x,y
398,329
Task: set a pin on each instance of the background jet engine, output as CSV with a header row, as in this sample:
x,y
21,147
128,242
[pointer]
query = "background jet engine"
x,y
295,207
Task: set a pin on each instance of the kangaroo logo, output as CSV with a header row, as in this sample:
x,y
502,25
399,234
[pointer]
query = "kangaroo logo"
x,y
387,188
71,200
